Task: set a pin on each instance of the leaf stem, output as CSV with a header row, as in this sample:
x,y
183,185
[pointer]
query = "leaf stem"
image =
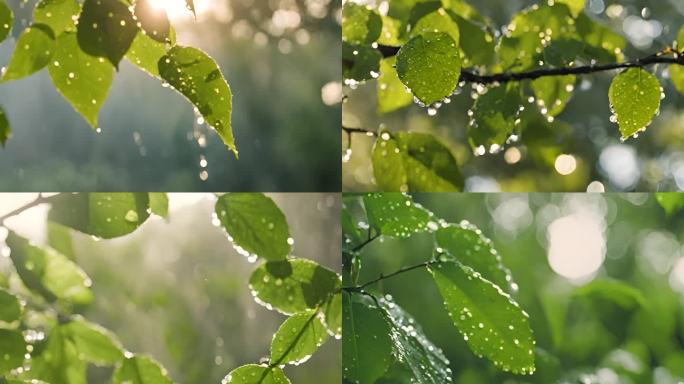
x,y
360,288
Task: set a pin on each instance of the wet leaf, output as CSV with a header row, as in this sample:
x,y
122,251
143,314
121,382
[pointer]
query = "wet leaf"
x,y
159,204
297,339
5,129
84,81
12,349
106,28
391,32
360,24
197,76
429,64
492,323
256,374
6,20
361,62
10,307
140,370
478,46
59,361
395,214
146,52
392,94
437,21
104,215
366,344
495,116
635,99
255,224
672,202
331,315
154,21
49,273
95,344
677,71
554,92
292,286
59,15
33,52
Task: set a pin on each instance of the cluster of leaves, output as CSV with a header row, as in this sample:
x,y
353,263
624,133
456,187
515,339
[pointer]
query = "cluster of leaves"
x,y
82,43
380,338
425,52
43,339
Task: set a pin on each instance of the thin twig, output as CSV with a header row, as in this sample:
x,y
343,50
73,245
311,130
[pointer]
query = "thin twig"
x,y
38,201
360,288
359,130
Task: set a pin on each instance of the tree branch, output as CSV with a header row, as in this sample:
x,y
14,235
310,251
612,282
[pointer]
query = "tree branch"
x,y
350,131
38,201
360,288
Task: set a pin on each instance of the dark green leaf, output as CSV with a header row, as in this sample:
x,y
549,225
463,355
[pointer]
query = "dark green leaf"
x,y
331,315
614,291
297,338
106,28
12,350
350,230
392,94
6,20
361,62
256,374
197,76
492,323
140,370
395,214
494,118
360,24
635,99
677,71
553,93
10,307
33,51
601,43
5,129
153,21
159,204
292,286
478,46
59,15
105,215
95,344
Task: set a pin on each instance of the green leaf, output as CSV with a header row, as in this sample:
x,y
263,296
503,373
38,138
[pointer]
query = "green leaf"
x,y
140,370
104,215
83,80
12,349
293,286
360,62
677,71
95,344
12,381
255,225
331,315
256,374
297,339
392,94
360,24
153,21
391,32
350,230
635,99
33,51
159,203
412,347
494,118
429,64
197,76
492,323
6,20
601,43
466,244
59,238
146,52
479,46
59,362
437,21
553,93
5,129
366,344
672,202
48,272
614,291
576,6
408,161
59,15
10,307
106,29
395,214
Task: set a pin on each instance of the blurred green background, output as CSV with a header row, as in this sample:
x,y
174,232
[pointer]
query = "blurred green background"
x,y
654,161
555,244
278,56
178,291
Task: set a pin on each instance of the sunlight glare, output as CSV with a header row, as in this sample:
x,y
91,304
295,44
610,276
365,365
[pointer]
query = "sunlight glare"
x,y
177,9
577,246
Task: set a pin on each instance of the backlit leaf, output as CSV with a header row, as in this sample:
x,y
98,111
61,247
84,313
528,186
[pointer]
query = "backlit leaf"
x,y
10,307
677,71
59,238
159,203
59,15
635,99
576,6
59,362
298,338
140,370
106,28
437,21
672,202
360,24
95,344
146,52
392,94
256,374
554,92
391,32
601,43
33,51
395,214
12,349
154,21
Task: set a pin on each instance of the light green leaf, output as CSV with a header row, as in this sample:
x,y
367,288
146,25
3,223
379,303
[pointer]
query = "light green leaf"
x,y
392,94
33,51
10,307
635,99
677,71
412,347
672,202
360,62
601,43
6,20
391,32
153,21
466,244
59,15
48,272
553,93
331,315
576,6
255,225
366,344
5,129
106,29
614,291
360,24
495,118
408,161
59,362
479,46
437,21
140,370
430,65
197,76
95,344
82,79
12,349
159,203
294,285
395,214
297,339
146,52
256,374
59,238
492,323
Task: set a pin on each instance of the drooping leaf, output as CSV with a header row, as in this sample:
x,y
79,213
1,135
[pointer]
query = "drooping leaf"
x,y
49,273
395,214
146,52
197,77
104,215
59,362
392,94
492,323
154,21
83,80
10,307
466,244
635,99
494,118
297,338
256,374
366,344
6,20
331,315
672,202
360,24
412,348
140,370
677,71
255,224
553,93
360,62
95,344
59,238
430,65
408,161
12,350
33,51
106,28
159,204
5,129
59,15
294,285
